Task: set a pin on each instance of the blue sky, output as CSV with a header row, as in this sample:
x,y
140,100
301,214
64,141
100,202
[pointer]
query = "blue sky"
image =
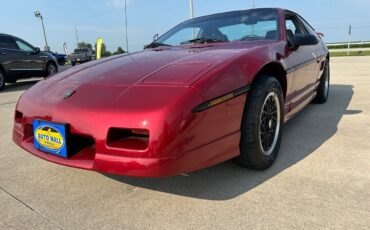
x,y
105,18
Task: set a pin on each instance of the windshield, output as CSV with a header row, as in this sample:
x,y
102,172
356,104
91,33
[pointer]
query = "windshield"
x,y
81,50
259,24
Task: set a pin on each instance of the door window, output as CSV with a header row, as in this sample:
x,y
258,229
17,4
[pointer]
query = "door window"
x,y
293,27
23,46
7,43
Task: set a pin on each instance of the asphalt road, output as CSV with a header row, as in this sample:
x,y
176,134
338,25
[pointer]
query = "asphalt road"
x,y
321,179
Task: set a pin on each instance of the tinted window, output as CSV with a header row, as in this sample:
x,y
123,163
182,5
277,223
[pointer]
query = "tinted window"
x,y
183,35
262,29
308,27
7,43
293,27
259,24
23,46
81,50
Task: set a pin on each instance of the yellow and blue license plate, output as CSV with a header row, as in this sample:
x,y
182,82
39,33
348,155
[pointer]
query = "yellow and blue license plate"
x,y
50,137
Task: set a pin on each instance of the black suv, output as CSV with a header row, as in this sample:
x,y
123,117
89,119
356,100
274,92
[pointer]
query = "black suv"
x,y
19,59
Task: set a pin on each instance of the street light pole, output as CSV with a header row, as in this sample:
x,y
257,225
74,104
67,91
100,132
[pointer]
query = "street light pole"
x,y
192,14
126,26
191,9
76,33
38,15
349,39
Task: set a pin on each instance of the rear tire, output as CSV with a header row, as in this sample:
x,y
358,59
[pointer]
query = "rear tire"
x,y
324,86
61,62
2,79
73,63
262,124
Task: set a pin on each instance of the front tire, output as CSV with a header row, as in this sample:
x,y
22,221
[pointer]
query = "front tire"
x,y
262,124
51,69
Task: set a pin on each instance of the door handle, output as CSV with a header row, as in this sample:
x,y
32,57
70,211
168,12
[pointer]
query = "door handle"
x,y
1,53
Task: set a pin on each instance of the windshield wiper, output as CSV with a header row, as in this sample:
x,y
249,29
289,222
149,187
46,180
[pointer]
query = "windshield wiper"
x,y
155,45
203,41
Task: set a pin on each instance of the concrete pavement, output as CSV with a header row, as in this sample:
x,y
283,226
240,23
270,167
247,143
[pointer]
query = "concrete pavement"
x,y
321,179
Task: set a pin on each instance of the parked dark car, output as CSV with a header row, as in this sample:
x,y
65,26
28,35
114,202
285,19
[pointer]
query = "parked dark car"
x,y
82,56
61,58
19,59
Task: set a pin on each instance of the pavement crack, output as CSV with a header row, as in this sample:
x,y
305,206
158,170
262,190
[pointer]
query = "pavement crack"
x,y
9,103
32,209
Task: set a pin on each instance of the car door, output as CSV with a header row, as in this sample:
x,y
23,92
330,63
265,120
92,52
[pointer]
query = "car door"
x,y
320,50
11,58
33,63
302,64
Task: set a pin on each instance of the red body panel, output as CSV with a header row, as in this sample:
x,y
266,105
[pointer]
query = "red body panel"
x,y
156,90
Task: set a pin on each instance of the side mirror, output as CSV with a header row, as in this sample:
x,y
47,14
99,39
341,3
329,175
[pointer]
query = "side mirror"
x,y
155,37
303,40
36,50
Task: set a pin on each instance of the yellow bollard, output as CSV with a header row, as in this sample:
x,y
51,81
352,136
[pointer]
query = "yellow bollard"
x,y
99,48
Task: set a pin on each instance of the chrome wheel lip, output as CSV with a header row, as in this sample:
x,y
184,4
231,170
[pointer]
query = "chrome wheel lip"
x,y
326,84
275,97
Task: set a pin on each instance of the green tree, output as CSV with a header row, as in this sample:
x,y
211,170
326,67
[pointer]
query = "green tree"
x,y
84,45
119,51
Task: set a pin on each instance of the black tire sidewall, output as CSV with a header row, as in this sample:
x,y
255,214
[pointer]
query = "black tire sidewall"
x,y
322,96
47,74
2,86
251,154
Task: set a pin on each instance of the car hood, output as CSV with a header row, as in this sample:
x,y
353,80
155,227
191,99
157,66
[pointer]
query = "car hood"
x,y
114,78
49,55
165,66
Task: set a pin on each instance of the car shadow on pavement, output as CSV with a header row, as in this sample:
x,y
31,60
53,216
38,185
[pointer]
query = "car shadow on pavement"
x,y
20,86
303,134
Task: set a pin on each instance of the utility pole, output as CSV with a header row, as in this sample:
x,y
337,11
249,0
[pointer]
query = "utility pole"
x,y
192,14
191,9
76,33
254,4
38,15
349,39
126,26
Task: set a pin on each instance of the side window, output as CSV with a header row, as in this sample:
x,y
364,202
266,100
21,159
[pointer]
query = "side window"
x,y
308,27
23,46
293,27
7,43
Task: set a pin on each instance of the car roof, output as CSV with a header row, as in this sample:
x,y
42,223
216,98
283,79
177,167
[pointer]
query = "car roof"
x,y
8,35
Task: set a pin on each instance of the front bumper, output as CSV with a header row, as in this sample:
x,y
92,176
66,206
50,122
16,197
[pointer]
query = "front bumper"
x,y
89,159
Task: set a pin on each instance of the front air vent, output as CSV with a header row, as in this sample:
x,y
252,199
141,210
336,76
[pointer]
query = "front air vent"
x,y
130,139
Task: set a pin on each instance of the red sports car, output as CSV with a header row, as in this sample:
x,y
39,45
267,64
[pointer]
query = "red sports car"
x,y
211,89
